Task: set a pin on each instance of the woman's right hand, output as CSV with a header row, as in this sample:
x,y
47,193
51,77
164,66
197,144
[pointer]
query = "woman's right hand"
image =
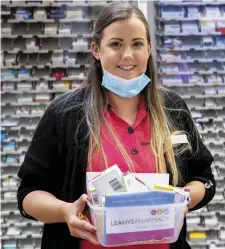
x,y
79,228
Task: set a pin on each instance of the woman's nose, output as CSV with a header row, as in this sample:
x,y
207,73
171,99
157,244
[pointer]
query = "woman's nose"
x,y
127,53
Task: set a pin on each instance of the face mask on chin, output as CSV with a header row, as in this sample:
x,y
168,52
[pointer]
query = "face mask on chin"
x,y
123,87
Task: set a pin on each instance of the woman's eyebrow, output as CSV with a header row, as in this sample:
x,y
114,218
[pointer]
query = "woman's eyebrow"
x,y
115,38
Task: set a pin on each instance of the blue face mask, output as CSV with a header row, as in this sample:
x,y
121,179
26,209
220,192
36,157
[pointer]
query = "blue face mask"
x,y
123,87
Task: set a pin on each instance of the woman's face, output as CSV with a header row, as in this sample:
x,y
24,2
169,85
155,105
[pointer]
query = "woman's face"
x,y
124,50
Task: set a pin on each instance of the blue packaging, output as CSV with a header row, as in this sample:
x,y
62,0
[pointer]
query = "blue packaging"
x,y
139,199
3,135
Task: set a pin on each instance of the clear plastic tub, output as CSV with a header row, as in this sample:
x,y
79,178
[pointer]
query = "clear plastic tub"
x,y
121,226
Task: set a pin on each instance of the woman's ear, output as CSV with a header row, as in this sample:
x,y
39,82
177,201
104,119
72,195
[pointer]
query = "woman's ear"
x,y
95,50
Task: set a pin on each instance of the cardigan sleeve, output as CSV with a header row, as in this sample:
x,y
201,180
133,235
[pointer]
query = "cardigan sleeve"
x,y
198,162
40,168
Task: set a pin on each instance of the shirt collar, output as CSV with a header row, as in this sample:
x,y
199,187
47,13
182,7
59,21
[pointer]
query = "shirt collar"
x,y
142,104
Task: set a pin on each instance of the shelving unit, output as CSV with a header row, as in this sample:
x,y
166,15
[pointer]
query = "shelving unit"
x,y
190,61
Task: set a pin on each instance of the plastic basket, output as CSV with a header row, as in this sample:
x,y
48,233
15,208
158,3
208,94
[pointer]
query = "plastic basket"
x,y
120,226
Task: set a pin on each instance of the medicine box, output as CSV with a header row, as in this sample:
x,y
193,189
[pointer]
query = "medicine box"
x,y
208,26
6,29
40,14
24,74
172,27
22,14
193,12
64,29
80,45
172,12
74,13
11,60
110,181
50,28
191,27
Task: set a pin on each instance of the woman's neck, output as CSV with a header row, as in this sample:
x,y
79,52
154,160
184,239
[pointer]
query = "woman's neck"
x,y
126,108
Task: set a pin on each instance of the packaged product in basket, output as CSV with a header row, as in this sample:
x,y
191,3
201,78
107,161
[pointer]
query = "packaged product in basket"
x,y
109,181
133,184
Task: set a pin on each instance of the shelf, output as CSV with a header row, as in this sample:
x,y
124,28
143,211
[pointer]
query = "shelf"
x,y
5,13
196,48
6,189
49,36
10,164
27,104
44,78
21,237
53,4
214,142
18,128
6,213
8,201
34,91
6,176
31,21
192,84
193,215
18,140
188,34
205,60
46,66
190,19
220,178
187,96
23,224
209,96
80,20
209,119
220,154
21,116
206,108
202,229
216,202
196,243
13,153
46,51
17,80
192,73
214,131
195,3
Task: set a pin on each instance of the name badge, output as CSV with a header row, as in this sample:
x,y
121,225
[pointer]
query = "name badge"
x,y
179,139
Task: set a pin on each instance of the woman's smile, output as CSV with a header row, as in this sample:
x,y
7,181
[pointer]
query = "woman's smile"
x,y
127,68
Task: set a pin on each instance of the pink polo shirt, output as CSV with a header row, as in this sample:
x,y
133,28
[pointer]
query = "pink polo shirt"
x,y
135,140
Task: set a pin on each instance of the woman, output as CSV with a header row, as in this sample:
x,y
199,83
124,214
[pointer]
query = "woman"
x,y
119,116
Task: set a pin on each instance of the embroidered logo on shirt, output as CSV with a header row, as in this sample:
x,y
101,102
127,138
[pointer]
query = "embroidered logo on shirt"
x,y
145,143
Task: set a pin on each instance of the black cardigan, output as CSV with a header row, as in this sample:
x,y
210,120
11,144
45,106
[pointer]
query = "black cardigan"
x,y
57,157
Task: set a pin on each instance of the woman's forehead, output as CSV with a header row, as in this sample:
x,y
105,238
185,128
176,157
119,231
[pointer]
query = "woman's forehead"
x,y
130,28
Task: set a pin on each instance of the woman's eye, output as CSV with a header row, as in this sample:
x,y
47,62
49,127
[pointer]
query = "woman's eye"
x,y
115,44
138,44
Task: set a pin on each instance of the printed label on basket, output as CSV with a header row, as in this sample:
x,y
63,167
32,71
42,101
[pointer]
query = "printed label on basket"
x,y
123,225
136,219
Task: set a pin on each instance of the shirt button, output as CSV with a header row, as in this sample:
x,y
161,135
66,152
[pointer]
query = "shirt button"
x,y
207,185
130,130
134,151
